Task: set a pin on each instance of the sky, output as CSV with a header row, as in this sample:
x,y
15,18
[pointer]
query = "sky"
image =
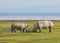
x,y
29,6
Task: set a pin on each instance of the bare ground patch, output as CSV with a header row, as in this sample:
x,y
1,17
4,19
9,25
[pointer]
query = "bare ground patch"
x,y
5,30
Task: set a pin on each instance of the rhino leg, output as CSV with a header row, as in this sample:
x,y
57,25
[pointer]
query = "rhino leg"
x,y
20,28
50,28
23,29
13,29
40,29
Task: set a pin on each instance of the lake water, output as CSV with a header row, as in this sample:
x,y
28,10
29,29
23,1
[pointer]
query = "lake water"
x,y
29,15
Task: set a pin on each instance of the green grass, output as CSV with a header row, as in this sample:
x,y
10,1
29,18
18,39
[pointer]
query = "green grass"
x,y
43,37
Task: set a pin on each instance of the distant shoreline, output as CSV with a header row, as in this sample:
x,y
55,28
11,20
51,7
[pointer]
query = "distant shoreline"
x,y
26,19
29,18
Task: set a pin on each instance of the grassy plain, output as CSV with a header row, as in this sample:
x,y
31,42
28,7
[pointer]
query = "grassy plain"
x,y
44,37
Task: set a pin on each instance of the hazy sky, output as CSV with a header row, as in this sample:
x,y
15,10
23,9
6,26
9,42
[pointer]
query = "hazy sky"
x,y
29,6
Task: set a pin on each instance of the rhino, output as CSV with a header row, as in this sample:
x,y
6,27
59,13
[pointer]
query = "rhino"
x,y
20,26
43,24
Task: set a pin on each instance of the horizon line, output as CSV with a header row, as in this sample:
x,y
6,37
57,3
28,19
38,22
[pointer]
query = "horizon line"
x,y
30,19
